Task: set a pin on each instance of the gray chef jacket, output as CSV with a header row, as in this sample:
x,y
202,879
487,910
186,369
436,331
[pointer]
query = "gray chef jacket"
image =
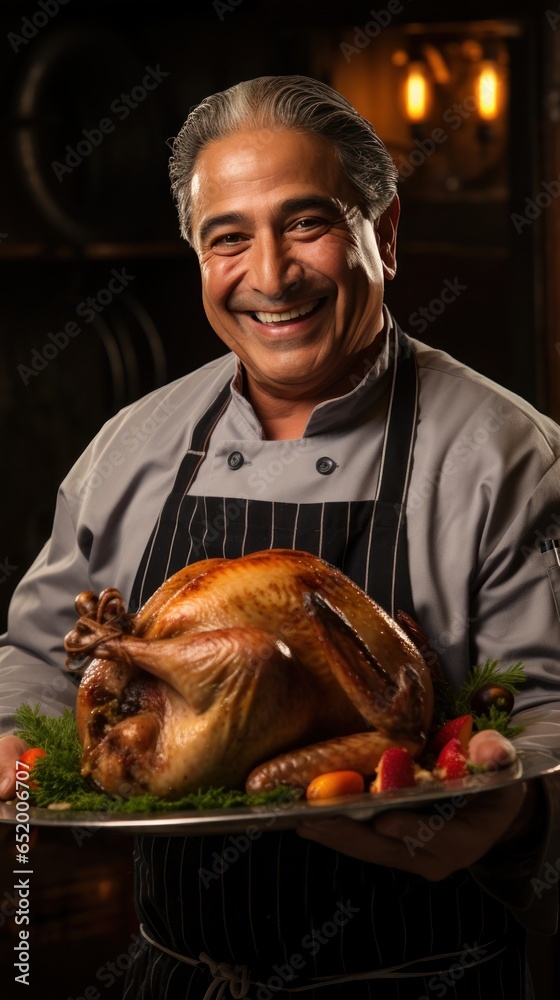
x,y
484,493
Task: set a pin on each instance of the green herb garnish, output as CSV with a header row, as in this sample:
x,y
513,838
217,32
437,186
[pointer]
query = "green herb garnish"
x,y
59,779
451,704
496,718
488,673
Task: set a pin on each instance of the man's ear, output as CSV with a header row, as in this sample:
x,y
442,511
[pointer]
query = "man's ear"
x,y
386,233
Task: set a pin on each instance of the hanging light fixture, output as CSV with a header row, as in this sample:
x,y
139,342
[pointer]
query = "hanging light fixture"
x,y
488,91
417,92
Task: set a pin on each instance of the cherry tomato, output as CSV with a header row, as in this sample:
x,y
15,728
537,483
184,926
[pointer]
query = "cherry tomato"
x,y
30,757
333,784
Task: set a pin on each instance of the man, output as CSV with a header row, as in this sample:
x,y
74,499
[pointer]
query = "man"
x,y
326,429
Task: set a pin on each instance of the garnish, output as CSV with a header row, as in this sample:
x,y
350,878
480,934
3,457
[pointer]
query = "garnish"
x,y
496,718
59,779
452,761
395,770
489,711
333,784
459,728
30,758
488,674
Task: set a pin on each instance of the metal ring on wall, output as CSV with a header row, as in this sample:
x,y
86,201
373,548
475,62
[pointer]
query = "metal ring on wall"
x,y
73,75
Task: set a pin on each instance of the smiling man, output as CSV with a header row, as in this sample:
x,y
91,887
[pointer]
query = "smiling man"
x,y
324,428
292,269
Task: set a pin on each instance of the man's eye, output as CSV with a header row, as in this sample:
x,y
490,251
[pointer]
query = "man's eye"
x,y
310,224
228,243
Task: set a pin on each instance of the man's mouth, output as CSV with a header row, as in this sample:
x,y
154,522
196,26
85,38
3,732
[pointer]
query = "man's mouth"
x,y
288,314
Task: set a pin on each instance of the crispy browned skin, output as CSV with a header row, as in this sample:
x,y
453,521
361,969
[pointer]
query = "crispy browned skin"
x,y
232,664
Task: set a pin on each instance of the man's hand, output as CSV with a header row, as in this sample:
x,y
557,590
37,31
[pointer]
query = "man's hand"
x,y
407,840
11,749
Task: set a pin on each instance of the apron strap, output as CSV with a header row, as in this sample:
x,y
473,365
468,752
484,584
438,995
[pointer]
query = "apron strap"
x,y
148,576
388,556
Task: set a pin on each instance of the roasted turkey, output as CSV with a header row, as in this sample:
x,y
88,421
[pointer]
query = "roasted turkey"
x,y
267,669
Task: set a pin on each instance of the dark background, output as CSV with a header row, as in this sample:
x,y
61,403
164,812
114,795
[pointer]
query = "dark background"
x,y
61,237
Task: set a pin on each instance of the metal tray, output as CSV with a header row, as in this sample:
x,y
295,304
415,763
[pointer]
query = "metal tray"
x,y
531,763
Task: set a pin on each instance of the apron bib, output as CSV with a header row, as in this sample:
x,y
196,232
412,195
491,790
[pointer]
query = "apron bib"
x,y
365,539
285,909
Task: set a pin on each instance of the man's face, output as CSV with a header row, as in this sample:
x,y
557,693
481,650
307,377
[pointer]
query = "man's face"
x,y
292,271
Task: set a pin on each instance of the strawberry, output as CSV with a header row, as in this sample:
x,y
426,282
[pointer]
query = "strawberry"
x,y
459,728
452,761
395,770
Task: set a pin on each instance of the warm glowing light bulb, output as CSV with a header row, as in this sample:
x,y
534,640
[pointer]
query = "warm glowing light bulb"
x,y
488,91
416,92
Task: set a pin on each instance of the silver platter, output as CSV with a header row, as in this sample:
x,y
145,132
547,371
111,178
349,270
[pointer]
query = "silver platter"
x,y
531,763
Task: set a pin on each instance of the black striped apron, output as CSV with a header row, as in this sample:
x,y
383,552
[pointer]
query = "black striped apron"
x,y
283,910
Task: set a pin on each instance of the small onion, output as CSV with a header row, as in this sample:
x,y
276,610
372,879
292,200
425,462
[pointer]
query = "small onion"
x,y
492,694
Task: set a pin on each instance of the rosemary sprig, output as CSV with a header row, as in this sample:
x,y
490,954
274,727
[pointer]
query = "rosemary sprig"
x,y
488,673
450,704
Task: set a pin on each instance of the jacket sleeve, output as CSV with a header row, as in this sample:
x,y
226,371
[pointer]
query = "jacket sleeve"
x,y
41,612
105,510
516,607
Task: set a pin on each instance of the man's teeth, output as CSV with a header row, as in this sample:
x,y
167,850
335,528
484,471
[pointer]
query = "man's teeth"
x,y
280,317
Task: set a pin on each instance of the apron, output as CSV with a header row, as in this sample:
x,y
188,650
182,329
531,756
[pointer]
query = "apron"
x,y
267,914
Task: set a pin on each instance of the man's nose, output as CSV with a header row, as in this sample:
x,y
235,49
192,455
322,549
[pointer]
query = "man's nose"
x,y
273,267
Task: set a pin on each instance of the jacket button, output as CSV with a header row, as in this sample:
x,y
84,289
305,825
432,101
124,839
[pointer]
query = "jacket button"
x,y
235,460
325,466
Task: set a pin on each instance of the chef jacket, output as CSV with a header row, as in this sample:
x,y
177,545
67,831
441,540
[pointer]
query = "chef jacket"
x,y
483,495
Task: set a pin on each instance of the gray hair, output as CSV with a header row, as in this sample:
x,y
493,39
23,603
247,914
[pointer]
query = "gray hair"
x,y
285,102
